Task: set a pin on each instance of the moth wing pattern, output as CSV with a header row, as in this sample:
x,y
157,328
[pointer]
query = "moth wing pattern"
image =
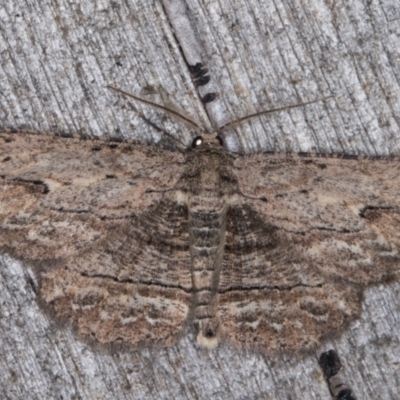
x,y
296,263
134,286
108,227
96,216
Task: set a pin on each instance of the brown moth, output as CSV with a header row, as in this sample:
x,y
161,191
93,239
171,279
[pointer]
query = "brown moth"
x,y
134,243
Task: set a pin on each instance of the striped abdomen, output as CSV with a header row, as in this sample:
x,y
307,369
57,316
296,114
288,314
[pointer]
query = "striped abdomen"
x,y
207,220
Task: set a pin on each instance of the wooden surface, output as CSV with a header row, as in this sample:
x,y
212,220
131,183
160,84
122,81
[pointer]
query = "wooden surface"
x,y
56,59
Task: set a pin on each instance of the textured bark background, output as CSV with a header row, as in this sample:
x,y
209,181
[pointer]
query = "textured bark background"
x,y
57,56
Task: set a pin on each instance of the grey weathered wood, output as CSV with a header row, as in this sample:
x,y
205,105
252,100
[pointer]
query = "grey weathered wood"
x,y
57,57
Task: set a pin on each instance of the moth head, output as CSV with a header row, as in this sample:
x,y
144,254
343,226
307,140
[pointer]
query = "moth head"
x,y
207,142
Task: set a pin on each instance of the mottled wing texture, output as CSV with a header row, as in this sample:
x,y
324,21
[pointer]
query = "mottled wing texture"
x,y
296,264
111,244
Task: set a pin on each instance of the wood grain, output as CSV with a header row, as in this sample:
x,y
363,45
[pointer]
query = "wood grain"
x,y
57,58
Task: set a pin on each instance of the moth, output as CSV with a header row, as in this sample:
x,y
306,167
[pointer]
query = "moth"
x,y
136,243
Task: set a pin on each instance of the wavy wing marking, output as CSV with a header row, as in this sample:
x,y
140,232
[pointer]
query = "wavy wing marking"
x,y
133,287
61,195
112,246
296,265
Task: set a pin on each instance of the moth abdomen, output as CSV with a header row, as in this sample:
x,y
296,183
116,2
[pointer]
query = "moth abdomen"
x,y
207,243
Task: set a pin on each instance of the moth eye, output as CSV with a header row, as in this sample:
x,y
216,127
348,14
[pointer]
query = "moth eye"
x,y
197,141
220,141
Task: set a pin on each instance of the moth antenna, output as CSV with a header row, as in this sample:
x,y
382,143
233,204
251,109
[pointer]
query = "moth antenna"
x,y
179,143
257,114
150,103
